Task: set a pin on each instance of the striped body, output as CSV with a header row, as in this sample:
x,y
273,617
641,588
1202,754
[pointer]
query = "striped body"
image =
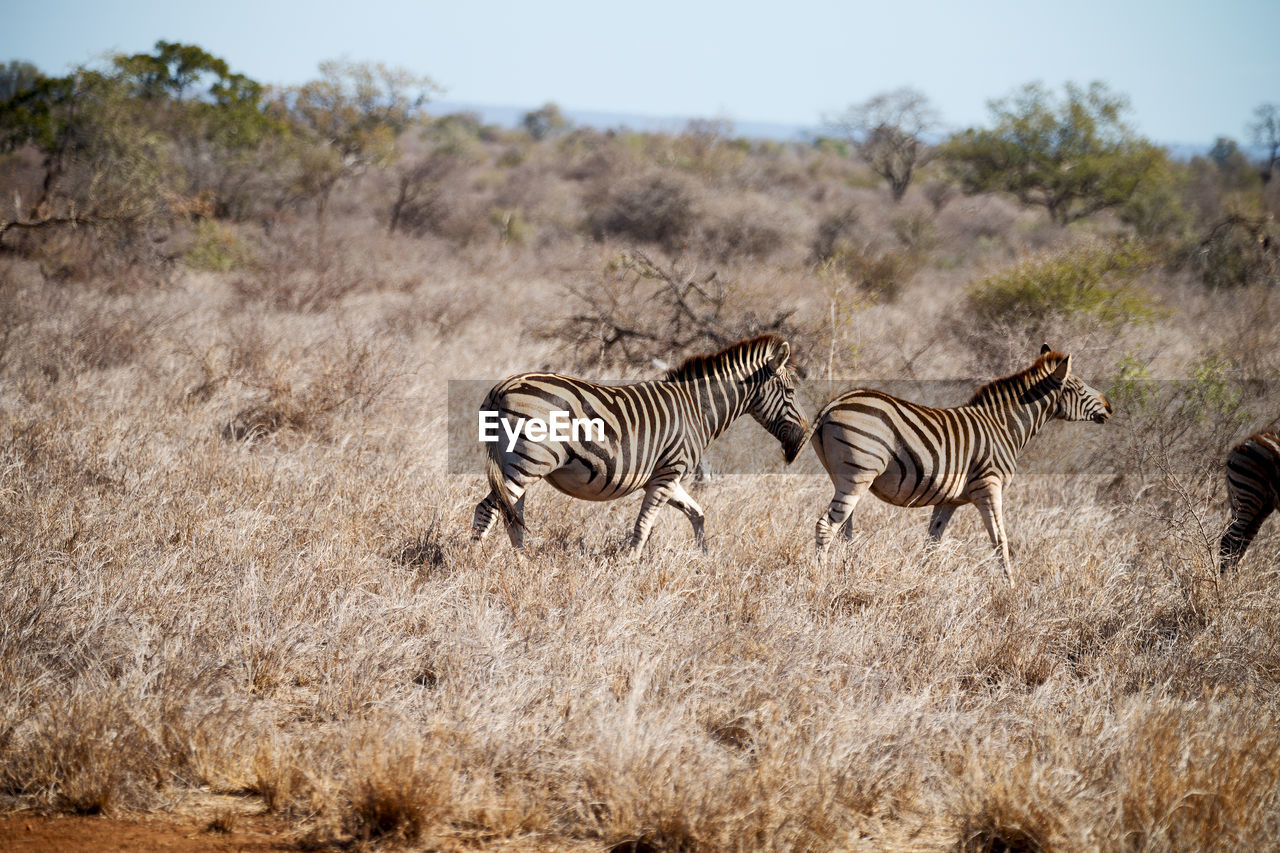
x,y
911,455
1253,484
654,432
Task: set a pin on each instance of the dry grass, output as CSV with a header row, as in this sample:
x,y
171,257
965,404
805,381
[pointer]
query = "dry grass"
x,y
233,561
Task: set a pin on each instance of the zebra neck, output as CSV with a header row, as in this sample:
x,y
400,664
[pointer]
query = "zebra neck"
x,y
1025,413
1023,422
719,401
1021,404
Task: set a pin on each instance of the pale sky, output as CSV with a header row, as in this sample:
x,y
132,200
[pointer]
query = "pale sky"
x,y
1192,69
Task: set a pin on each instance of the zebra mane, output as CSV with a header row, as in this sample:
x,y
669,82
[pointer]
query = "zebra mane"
x,y
1017,382
749,354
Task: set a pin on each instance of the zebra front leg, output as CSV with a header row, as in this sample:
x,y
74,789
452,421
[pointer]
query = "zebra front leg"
x,y
939,520
681,500
990,505
838,512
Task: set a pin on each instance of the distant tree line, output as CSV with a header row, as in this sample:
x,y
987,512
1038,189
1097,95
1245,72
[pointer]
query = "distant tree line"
x,y
177,131
150,139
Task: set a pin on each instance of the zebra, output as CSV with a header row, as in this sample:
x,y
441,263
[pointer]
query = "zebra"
x,y
1253,483
911,455
654,433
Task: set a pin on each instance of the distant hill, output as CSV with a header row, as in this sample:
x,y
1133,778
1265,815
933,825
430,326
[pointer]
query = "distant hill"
x,y
509,116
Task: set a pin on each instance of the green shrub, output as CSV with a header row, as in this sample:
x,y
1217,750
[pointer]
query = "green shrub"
x,y
1090,281
216,248
878,274
512,226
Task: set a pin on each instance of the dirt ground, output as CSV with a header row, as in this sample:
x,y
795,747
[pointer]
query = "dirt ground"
x,y
205,827
206,823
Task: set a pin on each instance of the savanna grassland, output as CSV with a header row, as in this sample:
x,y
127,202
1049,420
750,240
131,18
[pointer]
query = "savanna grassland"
x,y
237,575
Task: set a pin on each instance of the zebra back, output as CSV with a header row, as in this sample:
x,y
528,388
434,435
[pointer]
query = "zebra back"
x,y
660,425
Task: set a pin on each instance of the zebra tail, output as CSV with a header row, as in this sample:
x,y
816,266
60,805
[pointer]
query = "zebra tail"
x,y
498,485
818,420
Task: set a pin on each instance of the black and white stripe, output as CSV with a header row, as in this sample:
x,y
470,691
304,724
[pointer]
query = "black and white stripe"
x,y
655,433
1253,483
911,455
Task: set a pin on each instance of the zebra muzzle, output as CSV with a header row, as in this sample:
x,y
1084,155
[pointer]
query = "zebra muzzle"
x,y
793,439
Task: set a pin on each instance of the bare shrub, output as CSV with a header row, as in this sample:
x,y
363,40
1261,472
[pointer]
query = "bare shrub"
x,y
940,194
1171,426
428,191
642,314
348,374
836,233
302,270
747,235
1239,251
651,209
128,255
916,233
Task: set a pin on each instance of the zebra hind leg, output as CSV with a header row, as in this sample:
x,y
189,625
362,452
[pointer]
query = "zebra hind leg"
x,y
515,532
487,513
1244,526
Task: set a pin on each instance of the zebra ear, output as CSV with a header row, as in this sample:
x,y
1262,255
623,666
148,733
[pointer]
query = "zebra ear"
x,y
1063,369
1045,348
780,356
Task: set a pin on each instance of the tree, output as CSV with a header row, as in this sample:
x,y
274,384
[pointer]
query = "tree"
x,y
545,121
1074,156
1265,131
17,77
887,131
101,164
214,118
170,71
355,111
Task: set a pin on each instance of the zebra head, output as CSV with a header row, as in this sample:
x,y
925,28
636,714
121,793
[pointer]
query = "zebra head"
x,y
1078,401
773,402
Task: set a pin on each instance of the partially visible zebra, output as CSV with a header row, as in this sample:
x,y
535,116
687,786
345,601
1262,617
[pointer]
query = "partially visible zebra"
x,y
911,455
655,433
1253,483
